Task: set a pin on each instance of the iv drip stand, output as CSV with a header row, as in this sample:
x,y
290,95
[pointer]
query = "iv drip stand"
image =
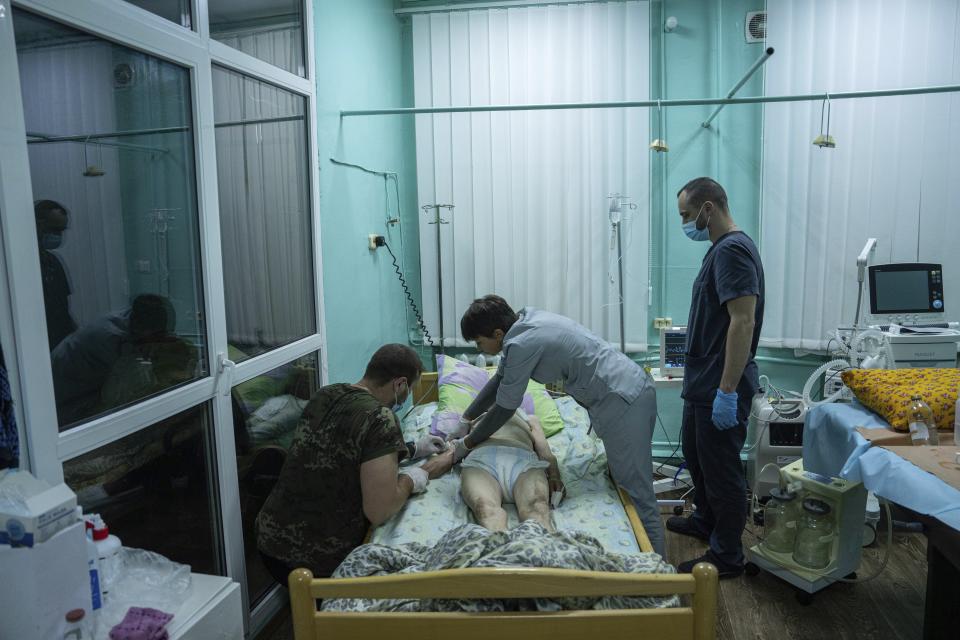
x,y
616,218
437,220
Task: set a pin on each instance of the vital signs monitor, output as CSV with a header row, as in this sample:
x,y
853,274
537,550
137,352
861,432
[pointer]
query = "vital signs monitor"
x,y
907,293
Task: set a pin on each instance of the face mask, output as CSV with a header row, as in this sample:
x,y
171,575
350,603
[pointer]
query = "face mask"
x,y
690,228
50,241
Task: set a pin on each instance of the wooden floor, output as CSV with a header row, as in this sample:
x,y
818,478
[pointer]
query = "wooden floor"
x,y
763,607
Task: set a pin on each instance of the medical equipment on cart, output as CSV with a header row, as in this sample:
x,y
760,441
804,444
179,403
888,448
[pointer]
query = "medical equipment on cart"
x,y
776,429
907,302
829,532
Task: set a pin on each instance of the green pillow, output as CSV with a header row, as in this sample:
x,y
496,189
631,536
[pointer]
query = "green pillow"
x,y
459,383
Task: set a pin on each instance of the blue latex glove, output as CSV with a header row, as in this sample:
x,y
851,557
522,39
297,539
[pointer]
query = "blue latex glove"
x,y
725,410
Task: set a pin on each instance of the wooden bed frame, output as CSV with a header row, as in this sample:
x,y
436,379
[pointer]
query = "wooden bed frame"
x,y
696,622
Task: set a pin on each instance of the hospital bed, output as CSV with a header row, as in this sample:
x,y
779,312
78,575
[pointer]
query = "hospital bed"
x,y
698,620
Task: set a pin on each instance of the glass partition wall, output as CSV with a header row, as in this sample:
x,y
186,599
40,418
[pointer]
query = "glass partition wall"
x,y
162,253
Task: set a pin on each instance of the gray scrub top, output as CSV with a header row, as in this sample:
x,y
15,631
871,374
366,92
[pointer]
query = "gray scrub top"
x,y
548,347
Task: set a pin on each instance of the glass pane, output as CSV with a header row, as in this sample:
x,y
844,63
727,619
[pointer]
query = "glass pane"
x,y
264,214
110,139
271,30
266,411
177,11
153,489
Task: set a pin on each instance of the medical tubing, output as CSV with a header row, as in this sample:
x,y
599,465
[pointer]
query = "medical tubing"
x,y
859,338
808,387
406,292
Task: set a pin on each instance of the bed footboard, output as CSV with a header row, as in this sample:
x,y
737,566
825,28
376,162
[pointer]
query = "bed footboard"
x,y
695,622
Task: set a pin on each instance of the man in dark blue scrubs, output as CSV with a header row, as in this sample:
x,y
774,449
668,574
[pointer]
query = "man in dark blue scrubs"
x,y
720,374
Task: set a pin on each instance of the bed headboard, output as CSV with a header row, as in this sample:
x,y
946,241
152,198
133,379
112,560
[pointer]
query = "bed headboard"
x,y
426,391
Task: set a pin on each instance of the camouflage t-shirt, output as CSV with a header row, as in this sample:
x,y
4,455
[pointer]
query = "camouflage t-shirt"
x,y
314,516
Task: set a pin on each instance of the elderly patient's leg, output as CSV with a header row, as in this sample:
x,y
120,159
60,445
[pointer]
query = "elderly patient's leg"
x,y
481,492
531,493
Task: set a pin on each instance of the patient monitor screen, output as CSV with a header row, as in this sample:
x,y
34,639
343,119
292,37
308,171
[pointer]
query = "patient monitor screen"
x,y
906,288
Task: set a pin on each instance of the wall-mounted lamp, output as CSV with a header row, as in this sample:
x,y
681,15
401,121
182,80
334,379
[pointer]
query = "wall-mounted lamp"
x,y
825,140
659,144
92,170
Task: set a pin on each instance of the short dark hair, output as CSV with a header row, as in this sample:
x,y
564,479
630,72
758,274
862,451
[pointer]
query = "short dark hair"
x,y
485,315
700,190
151,316
43,207
394,361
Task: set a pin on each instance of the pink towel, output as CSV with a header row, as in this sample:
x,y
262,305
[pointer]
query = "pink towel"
x,y
142,624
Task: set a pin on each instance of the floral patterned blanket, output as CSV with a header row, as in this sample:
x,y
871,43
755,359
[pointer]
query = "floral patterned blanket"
x,y
527,545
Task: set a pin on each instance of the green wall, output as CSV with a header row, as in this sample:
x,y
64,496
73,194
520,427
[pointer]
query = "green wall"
x,y
362,58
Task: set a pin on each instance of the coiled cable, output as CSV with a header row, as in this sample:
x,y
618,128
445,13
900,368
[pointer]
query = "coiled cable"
x,y
406,292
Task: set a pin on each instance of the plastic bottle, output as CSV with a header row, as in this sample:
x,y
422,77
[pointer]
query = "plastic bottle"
x,y
481,361
93,566
108,547
923,430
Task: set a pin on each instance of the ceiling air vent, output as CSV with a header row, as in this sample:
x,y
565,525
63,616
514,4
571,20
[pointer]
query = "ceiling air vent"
x,y
755,26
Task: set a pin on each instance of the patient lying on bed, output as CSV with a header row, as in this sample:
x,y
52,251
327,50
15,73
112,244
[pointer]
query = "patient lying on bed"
x,y
515,465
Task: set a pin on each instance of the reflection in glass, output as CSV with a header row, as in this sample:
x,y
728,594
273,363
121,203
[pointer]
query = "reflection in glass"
x,y
110,139
264,213
266,411
271,30
176,11
153,489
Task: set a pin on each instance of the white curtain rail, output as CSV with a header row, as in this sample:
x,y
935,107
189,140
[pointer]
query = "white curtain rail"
x,y
495,4
678,102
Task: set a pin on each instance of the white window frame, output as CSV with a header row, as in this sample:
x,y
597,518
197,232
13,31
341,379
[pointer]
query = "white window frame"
x,y
22,323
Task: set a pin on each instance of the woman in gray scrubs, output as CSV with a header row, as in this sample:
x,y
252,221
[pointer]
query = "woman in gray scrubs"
x,y
616,392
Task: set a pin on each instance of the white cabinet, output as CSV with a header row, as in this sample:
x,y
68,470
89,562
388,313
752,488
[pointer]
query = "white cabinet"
x,y
214,611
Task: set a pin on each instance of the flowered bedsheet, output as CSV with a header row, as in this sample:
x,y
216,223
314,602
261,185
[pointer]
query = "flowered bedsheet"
x,y
591,505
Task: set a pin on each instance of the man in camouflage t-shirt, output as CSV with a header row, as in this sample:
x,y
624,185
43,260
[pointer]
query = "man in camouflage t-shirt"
x,y
342,471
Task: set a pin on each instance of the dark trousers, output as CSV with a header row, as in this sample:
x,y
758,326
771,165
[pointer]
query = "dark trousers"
x,y
713,459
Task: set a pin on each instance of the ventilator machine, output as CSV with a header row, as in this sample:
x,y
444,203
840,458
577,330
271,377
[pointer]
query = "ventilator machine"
x,y
906,326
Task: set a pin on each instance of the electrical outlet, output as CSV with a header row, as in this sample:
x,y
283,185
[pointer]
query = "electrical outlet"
x,y
372,242
662,323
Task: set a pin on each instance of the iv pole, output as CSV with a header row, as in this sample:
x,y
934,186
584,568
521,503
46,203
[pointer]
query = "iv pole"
x,y
437,220
616,218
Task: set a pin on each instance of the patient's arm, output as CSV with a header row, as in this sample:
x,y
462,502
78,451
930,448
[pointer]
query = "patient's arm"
x,y
542,449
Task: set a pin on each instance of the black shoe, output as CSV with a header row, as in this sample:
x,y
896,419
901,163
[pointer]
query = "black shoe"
x,y
683,526
725,570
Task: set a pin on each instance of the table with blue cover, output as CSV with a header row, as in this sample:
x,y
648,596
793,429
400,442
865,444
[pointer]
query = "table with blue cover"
x,y
833,447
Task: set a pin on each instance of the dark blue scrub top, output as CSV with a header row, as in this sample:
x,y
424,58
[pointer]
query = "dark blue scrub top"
x,y
731,269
